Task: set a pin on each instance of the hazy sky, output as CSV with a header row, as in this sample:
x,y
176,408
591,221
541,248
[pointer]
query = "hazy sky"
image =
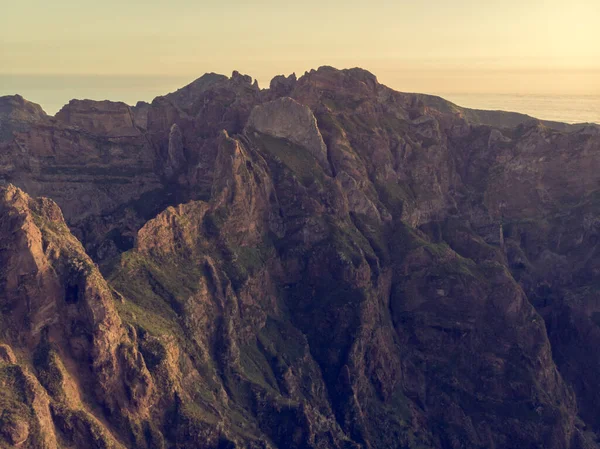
x,y
528,46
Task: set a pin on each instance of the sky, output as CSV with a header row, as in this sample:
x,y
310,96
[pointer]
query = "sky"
x,y
468,46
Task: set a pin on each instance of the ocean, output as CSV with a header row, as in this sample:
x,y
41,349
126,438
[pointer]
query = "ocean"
x,y
54,91
559,108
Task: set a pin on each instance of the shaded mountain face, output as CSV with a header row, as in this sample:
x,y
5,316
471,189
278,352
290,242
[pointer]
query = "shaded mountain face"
x,y
326,263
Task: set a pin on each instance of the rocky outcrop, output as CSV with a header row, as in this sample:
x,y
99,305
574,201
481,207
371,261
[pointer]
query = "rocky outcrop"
x,y
16,108
106,118
282,86
140,115
7,355
25,416
285,118
176,155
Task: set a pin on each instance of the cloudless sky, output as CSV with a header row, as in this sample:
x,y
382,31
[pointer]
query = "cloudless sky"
x,y
528,46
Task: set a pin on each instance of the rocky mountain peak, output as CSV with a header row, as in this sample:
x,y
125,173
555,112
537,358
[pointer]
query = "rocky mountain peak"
x,y
15,107
282,86
239,78
332,79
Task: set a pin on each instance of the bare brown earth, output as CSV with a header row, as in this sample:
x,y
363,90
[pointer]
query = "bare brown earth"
x,y
326,263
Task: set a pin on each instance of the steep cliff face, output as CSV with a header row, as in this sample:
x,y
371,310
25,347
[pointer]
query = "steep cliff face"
x,y
59,317
323,264
92,160
287,119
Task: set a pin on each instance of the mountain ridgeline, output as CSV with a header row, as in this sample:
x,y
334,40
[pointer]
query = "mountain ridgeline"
x,y
326,263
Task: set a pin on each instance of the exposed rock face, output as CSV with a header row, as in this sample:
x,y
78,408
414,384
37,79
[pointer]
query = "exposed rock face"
x,y
176,156
282,86
25,420
287,119
16,432
94,166
60,311
140,115
17,108
323,264
7,355
106,118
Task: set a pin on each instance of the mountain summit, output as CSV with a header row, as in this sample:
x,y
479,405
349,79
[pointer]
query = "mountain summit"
x,y
326,263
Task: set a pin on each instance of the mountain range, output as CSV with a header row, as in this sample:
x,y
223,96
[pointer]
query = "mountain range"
x,y
326,263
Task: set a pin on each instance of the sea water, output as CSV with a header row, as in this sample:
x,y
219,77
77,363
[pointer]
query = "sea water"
x,y
559,108
52,92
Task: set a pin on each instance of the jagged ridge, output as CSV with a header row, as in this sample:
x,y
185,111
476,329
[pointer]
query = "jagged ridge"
x,y
359,271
